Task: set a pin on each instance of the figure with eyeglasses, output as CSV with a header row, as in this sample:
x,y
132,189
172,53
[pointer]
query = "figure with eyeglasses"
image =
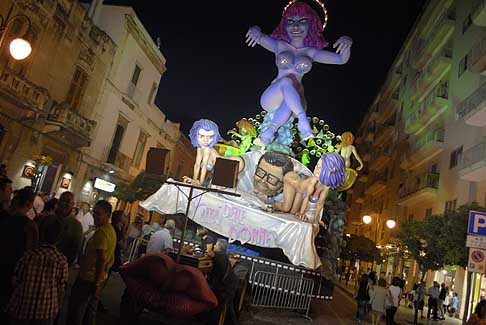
x,y
269,175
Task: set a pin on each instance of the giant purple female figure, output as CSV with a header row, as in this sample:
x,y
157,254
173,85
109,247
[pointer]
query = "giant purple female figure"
x,y
297,42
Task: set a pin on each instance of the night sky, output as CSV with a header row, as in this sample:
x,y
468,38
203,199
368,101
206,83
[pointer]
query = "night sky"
x,y
211,73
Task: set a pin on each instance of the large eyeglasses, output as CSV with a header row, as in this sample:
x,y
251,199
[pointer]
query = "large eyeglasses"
x,y
271,179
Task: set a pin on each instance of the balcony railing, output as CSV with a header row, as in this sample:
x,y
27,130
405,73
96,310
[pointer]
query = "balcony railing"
x,y
476,60
65,116
427,180
479,12
30,95
474,155
432,106
473,163
434,136
473,108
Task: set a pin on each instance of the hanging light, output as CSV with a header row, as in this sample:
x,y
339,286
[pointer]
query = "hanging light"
x,y
367,219
20,49
391,224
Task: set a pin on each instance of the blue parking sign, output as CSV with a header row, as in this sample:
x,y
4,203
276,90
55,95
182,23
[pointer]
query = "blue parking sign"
x,y
477,223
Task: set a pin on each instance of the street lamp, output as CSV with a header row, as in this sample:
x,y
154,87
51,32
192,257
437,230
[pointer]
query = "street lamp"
x,y
390,223
19,47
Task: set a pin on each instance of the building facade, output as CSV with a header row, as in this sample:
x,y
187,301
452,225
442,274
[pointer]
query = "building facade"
x,y
426,133
129,121
47,101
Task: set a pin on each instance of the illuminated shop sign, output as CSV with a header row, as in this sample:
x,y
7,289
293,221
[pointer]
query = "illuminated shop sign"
x,y
103,185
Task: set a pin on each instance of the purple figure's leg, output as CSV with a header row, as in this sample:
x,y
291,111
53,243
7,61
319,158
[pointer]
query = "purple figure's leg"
x,y
280,117
284,91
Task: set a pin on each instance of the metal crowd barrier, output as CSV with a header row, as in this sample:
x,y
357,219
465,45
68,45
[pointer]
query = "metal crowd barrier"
x,y
273,290
133,251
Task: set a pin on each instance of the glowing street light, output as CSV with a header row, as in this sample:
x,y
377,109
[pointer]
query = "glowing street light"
x,y
19,47
367,219
391,224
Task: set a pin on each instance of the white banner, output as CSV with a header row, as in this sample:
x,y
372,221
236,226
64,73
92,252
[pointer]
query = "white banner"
x,y
242,219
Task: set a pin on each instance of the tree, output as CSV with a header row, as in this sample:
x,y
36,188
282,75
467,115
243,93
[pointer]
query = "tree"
x,y
437,241
360,248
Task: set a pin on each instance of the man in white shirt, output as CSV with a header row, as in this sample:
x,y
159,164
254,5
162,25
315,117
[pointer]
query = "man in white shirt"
x,y
85,217
161,241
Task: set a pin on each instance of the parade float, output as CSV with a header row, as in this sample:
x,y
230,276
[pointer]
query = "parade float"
x,y
278,204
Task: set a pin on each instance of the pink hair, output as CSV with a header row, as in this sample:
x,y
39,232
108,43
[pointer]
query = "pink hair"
x,y
314,38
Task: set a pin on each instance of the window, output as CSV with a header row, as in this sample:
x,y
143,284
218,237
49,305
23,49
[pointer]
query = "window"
x,y
428,212
153,93
136,74
142,141
462,66
116,143
456,157
450,206
411,217
77,88
466,23
434,169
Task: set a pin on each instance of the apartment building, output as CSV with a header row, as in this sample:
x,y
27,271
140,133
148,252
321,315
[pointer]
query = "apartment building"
x,y
426,133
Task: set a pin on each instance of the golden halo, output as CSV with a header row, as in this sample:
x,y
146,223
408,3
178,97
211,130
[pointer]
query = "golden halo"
x,y
320,3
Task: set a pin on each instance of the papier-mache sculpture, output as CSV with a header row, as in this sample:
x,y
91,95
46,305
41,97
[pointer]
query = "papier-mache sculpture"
x,y
297,42
347,149
305,196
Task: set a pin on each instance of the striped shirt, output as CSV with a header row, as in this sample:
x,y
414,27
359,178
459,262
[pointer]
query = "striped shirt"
x,y
40,278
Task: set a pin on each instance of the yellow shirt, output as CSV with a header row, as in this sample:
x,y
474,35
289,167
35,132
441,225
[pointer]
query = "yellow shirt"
x,y
104,238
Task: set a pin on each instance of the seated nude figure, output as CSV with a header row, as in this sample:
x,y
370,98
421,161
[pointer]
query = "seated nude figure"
x,y
305,196
346,149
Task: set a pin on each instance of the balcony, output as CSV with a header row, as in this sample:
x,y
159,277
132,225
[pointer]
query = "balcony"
x,y
425,149
22,92
67,124
389,107
377,185
479,13
384,132
424,189
380,158
473,163
476,60
441,32
437,69
473,108
433,106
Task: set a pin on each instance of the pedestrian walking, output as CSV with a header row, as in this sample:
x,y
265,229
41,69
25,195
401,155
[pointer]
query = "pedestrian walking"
x,y
433,293
94,265
377,301
392,301
418,301
40,278
362,297
440,304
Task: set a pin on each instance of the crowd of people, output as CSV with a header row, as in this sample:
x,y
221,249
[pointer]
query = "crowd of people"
x,y
39,250
46,238
380,297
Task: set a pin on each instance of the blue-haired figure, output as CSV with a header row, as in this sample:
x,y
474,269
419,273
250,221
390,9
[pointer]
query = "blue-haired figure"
x,y
204,135
305,196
